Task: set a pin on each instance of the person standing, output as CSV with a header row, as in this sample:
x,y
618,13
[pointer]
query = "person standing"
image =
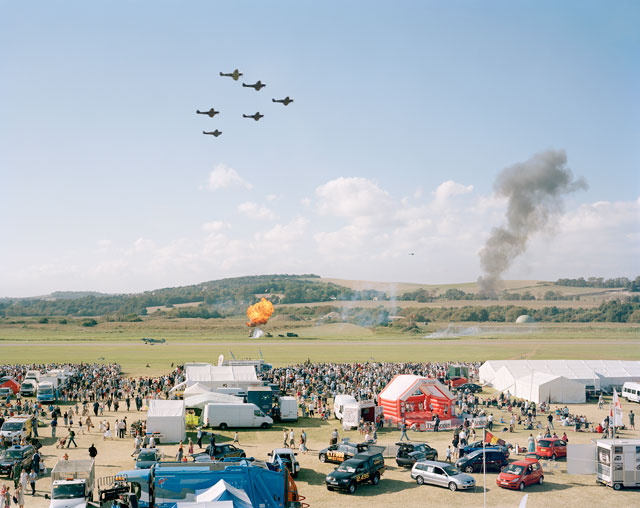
x,y
36,462
19,495
531,447
292,439
200,437
403,431
32,481
284,438
93,451
550,420
632,420
490,421
235,439
448,454
54,425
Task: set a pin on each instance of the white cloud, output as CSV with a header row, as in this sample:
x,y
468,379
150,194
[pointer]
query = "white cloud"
x,y
449,189
351,198
215,226
256,212
223,177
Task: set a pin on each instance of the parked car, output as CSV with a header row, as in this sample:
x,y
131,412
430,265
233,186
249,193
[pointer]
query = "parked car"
x,y
8,458
221,451
472,387
551,448
521,474
442,474
364,467
5,391
340,452
410,452
478,446
288,458
496,460
147,458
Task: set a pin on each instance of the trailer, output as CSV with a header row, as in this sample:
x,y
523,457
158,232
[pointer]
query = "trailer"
x,y
256,483
615,462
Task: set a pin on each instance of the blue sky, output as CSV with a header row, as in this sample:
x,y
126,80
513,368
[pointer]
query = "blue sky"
x,y
106,182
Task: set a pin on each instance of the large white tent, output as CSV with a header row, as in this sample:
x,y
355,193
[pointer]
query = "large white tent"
x,y
505,379
592,373
202,399
213,376
542,387
168,418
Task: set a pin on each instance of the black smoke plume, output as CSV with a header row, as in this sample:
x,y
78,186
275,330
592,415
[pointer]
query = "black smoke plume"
x,y
535,190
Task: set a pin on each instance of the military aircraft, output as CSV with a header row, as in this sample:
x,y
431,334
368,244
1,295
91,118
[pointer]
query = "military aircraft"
x,y
257,85
233,75
212,112
256,116
148,340
286,101
215,133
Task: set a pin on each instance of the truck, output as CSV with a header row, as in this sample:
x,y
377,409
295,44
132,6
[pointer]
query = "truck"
x,y
47,391
29,388
34,375
261,396
288,409
235,415
72,483
243,482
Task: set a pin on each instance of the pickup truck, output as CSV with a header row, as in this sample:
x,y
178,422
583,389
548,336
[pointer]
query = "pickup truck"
x,y
72,483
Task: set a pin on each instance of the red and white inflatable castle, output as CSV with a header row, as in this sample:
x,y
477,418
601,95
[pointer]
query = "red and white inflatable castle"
x,y
416,399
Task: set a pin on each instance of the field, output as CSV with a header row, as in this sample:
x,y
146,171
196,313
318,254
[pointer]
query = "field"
x,y
198,340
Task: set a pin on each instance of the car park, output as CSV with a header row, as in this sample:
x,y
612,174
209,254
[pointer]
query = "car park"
x,y
21,454
521,474
340,452
496,460
551,448
362,468
288,458
410,452
442,474
148,457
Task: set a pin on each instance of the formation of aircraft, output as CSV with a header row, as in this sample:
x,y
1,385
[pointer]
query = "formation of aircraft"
x,y
257,86
212,112
256,116
148,340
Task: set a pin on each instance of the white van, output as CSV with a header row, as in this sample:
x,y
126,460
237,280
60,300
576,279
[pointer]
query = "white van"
x,y
631,391
288,409
33,374
235,415
19,427
29,388
340,402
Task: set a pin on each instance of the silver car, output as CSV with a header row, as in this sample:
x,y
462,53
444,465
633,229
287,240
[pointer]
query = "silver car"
x,y
442,474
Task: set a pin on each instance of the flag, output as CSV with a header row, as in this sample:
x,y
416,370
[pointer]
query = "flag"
x,y
492,440
615,415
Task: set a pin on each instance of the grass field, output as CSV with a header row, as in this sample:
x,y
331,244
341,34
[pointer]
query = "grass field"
x,y
205,340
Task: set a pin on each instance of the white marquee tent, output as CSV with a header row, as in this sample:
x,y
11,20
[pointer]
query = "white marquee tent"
x,y
213,376
168,418
542,387
202,399
593,373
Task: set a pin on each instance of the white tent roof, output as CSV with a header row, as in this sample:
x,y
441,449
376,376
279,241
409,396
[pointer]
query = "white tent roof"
x,y
405,385
202,399
226,373
222,491
505,379
160,407
196,389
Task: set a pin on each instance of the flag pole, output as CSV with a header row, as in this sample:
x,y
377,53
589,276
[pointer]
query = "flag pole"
x,y
484,469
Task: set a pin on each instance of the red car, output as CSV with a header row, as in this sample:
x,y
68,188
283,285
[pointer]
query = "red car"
x,y
521,474
551,448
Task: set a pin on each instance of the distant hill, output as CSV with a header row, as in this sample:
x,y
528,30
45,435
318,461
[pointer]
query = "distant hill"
x,y
231,296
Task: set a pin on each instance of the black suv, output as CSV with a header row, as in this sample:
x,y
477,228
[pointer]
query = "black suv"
x,y
22,454
364,467
220,452
340,452
472,387
496,461
410,452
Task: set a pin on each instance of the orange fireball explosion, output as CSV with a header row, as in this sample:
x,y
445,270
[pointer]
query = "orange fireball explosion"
x,y
259,313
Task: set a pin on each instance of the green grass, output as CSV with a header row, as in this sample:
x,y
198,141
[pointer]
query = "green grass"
x,y
204,340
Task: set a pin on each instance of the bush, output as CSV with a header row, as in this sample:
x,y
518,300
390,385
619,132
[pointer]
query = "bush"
x,y
43,320
89,322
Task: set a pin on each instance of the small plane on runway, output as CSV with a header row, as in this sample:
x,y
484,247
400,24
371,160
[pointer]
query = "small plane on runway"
x,y
150,341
